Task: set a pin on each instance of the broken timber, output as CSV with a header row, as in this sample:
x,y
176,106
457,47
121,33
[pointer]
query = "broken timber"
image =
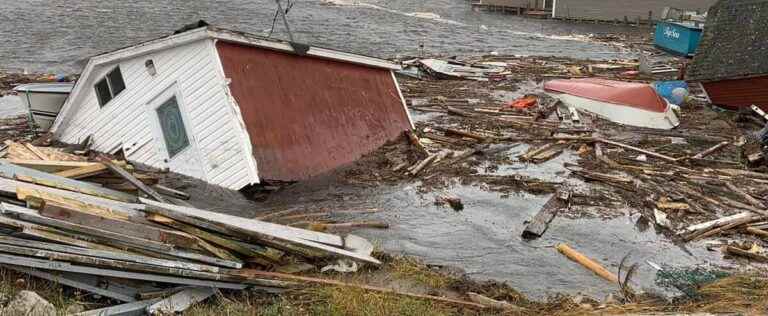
x,y
316,240
130,178
180,301
540,222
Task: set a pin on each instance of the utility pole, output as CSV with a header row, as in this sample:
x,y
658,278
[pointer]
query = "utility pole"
x,y
285,20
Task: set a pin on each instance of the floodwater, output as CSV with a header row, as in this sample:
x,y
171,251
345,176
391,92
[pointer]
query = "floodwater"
x,y
53,35
484,238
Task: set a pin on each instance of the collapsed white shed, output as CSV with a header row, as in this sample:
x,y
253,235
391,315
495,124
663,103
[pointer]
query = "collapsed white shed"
x,y
170,104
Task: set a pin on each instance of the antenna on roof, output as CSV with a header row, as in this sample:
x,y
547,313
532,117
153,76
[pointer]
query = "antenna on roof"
x,y
285,20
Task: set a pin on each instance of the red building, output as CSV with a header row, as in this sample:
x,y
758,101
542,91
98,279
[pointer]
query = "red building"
x,y
732,60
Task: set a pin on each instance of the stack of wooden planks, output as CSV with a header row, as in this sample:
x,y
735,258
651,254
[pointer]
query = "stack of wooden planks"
x,y
62,219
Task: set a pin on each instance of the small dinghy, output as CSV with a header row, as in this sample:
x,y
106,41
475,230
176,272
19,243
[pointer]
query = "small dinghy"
x,y
44,101
627,103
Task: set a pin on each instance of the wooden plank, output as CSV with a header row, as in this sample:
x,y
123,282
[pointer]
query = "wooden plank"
x,y
711,150
51,166
11,171
52,234
179,302
114,239
83,172
90,283
129,266
36,151
171,192
234,245
237,222
75,216
640,150
7,240
302,237
117,273
35,217
138,308
130,178
25,194
11,188
546,214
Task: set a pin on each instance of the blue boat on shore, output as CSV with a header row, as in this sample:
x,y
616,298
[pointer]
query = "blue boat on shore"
x,y
679,38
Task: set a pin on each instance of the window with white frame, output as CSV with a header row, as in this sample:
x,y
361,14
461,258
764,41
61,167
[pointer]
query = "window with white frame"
x,y
110,86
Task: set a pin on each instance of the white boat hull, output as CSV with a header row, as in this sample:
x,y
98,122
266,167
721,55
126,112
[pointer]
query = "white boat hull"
x,y
44,101
621,114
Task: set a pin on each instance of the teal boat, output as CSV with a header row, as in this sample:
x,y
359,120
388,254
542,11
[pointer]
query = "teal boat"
x,y
679,38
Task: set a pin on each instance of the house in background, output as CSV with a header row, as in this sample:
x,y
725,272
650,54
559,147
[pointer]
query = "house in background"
x,y
732,59
619,10
232,108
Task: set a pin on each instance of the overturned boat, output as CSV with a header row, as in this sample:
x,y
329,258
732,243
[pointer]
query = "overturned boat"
x,y
44,101
627,103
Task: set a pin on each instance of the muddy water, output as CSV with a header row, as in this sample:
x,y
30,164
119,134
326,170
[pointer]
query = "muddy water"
x,y
52,35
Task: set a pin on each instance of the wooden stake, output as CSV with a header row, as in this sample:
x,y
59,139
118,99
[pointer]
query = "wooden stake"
x,y
587,263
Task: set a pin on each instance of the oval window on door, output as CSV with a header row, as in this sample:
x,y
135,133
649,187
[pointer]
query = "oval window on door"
x,y
172,125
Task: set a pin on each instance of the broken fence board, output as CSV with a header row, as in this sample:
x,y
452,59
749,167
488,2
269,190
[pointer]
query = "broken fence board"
x,y
316,240
180,301
136,182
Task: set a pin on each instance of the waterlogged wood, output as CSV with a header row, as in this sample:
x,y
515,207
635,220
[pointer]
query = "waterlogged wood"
x,y
130,178
757,232
546,214
290,277
117,273
640,150
715,231
234,245
717,222
751,200
587,263
711,150
86,282
181,301
303,237
7,240
72,215
746,254
83,172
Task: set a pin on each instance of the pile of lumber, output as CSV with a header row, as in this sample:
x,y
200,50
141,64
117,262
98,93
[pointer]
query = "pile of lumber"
x,y
62,219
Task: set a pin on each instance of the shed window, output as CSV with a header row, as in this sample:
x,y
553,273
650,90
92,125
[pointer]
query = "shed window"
x,y
110,86
172,125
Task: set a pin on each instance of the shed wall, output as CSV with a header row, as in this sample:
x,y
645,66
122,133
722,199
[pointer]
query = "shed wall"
x,y
306,115
218,152
739,92
610,10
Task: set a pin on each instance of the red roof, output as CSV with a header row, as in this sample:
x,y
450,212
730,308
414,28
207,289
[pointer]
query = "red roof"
x,y
637,95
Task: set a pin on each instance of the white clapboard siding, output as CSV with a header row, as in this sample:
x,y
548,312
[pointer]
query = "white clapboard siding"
x,y
219,154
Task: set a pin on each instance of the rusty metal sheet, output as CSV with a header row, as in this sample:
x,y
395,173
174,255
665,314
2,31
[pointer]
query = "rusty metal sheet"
x,y
306,116
739,92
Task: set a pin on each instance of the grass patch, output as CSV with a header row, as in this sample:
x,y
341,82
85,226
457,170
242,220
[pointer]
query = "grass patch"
x,y
412,269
